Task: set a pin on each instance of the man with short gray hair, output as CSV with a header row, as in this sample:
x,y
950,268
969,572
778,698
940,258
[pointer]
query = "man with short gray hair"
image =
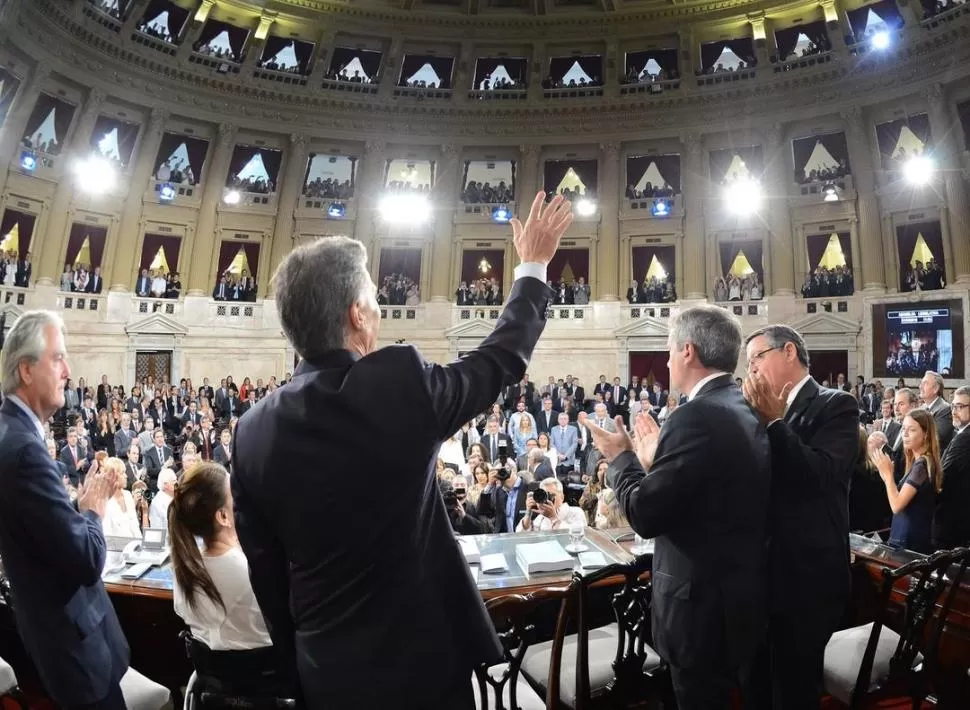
x,y
355,639
951,523
931,393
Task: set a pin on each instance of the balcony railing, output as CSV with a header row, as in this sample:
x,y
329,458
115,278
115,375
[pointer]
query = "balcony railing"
x,y
650,87
646,207
400,313
242,312
498,94
651,310
183,191
816,189
944,18
81,301
566,312
284,77
482,211
421,92
724,77
152,42
148,306
102,18
573,92
220,64
14,295
353,87
745,308
826,304
262,201
463,314
803,62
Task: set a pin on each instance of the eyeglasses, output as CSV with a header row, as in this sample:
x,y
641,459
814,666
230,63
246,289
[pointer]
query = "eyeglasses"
x,y
758,357
959,405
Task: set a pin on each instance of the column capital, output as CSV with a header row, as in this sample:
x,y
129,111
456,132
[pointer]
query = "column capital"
x,y
852,116
375,147
158,118
226,131
529,151
611,149
96,97
694,142
935,96
774,134
451,152
298,141
42,70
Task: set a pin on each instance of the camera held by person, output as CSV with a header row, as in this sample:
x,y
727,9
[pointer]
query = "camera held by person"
x,y
462,514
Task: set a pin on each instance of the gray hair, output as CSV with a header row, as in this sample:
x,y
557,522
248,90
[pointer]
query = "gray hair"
x,y
937,379
714,333
315,285
27,340
963,391
778,335
536,455
552,482
908,395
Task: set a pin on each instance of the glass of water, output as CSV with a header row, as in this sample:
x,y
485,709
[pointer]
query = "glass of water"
x,y
577,533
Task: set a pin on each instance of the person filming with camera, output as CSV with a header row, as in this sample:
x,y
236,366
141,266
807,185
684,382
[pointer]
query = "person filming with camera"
x,y
462,514
546,509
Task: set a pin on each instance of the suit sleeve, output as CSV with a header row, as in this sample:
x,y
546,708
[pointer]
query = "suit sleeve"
x,y
828,457
656,501
460,390
944,428
64,539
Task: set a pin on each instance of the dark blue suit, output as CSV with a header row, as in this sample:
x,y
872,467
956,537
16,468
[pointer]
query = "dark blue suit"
x,y
53,557
361,582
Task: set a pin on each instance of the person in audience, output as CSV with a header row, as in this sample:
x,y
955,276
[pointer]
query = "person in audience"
x,y
609,514
143,288
555,514
133,471
333,325
120,517
157,456
931,394
211,590
74,457
479,481
913,500
102,437
158,512
67,278
595,485
814,447
564,440
699,524
53,552
669,408
868,509
951,524
24,270
223,452
462,514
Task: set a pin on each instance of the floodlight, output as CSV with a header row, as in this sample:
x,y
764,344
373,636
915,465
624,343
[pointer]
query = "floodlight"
x,y
743,196
586,207
405,208
918,170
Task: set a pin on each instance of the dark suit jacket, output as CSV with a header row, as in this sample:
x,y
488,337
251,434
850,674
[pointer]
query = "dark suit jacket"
x,y
233,410
53,557
705,500
951,522
497,500
95,284
487,443
103,394
68,460
365,616
153,466
542,425
813,451
944,422
543,471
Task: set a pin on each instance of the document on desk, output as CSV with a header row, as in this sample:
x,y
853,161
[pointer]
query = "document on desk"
x,y
592,560
548,556
494,563
470,550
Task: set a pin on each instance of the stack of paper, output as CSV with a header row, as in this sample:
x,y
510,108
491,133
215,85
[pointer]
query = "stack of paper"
x,y
546,556
592,560
470,550
494,563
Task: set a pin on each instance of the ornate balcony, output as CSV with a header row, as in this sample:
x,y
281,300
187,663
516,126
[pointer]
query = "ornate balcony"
x,y
141,307
159,45
499,95
725,77
352,87
650,87
283,77
803,62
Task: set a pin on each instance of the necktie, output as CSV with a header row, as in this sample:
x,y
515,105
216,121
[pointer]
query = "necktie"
x,y
494,448
74,455
160,459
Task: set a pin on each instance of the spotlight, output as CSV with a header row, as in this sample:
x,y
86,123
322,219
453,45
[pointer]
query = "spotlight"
x,y
743,196
28,161
585,207
405,209
830,192
880,40
336,210
233,197
918,170
660,208
501,214
96,174
166,193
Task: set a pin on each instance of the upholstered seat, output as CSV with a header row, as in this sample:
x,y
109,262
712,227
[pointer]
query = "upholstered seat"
x,y
525,697
843,660
8,679
143,693
602,652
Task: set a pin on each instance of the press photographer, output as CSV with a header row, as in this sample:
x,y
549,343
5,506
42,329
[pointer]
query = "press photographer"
x,y
546,509
462,513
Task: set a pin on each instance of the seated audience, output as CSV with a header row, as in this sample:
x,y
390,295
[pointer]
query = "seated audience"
x,y
120,515
158,513
609,514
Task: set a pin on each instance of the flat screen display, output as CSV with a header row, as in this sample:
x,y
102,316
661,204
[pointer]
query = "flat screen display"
x,y
911,339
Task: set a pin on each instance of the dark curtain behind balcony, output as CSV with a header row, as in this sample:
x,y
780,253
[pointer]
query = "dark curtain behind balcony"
x,y
651,367
472,258
10,86
721,162
643,257
228,251
237,36
802,149
666,58
963,111
752,249
302,50
176,16
25,224
668,165
710,51
170,246
785,40
817,243
906,237
369,59
127,136
887,134
242,154
586,170
405,262
515,66
887,11
196,148
442,66
63,113
576,259
96,237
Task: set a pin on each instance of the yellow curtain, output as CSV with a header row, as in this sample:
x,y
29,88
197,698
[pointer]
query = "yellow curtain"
x,y
921,252
741,266
11,240
656,269
84,256
567,273
159,262
572,181
240,263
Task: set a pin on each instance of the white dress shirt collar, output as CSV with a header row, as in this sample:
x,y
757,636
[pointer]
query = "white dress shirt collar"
x,y
796,389
703,381
931,404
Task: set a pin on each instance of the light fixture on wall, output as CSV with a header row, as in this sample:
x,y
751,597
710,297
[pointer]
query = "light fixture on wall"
x,y
95,174
232,197
918,170
660,208
166,193
405,209
743,196
484,266
830,193
881,40
586,207
28,161
501,214
336,210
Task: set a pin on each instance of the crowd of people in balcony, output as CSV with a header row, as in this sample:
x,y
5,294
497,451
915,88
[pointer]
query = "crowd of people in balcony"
x,y
80,278
37,142
481,292
501,84
719,68
823,45
178,173
15,271
355,78
928,277
735,288
938,7
823,174
207,50
573,195
552,83
420,84
329,188
652,290
824,282
648,191
255,185
273,65
398,290
233,287
158,284
477,193
399,187
153,31
110,9
568,294
640,76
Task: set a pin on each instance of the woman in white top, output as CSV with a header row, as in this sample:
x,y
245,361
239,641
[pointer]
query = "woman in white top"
x,y
120,517
80,280
548,449
159,285
672,402
212,591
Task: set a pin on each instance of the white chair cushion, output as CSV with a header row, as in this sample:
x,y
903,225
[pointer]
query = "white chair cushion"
x,y
525,696
8,679
843,659
142,693
602,651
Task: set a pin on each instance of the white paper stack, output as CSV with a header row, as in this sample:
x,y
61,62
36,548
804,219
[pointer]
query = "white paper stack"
x,y
592,560
494,563
548,556
470,550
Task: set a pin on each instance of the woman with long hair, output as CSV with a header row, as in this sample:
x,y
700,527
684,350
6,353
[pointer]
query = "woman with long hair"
x,y
914,499
523,433
212,591
120,516
594,486
479,482
103,435
609,514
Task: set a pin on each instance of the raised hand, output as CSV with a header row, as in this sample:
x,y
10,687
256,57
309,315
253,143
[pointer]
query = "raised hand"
x,y
538,239
610,444
94,493
770,406
646,437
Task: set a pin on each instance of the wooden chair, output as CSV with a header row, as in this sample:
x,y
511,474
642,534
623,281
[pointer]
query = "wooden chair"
x,y
869,663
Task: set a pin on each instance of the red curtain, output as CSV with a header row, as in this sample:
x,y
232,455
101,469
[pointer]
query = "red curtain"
x,y
826,364
642,256
252,256
650,367
577,259
406,262
227,252
96,238
170,245
471,258
26,224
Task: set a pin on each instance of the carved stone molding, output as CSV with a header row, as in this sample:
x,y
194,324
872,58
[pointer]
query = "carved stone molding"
x,y
158,119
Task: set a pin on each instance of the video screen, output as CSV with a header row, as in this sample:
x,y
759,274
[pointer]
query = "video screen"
x,y
918,339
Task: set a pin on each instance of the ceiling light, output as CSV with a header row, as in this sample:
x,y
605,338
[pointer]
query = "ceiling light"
x,y
232,197
918,170
586,207
743,196
405,208
880,40
336,210
95,174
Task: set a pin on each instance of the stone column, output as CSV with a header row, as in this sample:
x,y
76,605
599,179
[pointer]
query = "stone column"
x,y
135,13
447,185
368,191
779,221
870,274
464,73
123,266
200,276
611,77
527,178
191,37
538,70
692,193
945,127
51,258
761,48
608,258
289,198
392,68
16,123
321,62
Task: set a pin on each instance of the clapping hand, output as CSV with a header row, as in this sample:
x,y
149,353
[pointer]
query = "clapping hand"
x,y
93,494
883,463
762,398
538,239
646,437
610,444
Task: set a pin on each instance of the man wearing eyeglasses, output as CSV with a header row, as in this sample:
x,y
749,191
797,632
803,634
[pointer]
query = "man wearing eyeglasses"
x,y
951,524
814,436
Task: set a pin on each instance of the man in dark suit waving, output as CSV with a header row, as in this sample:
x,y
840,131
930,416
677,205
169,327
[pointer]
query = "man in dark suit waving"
x,y
700,486
53,555
390,611
814,435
